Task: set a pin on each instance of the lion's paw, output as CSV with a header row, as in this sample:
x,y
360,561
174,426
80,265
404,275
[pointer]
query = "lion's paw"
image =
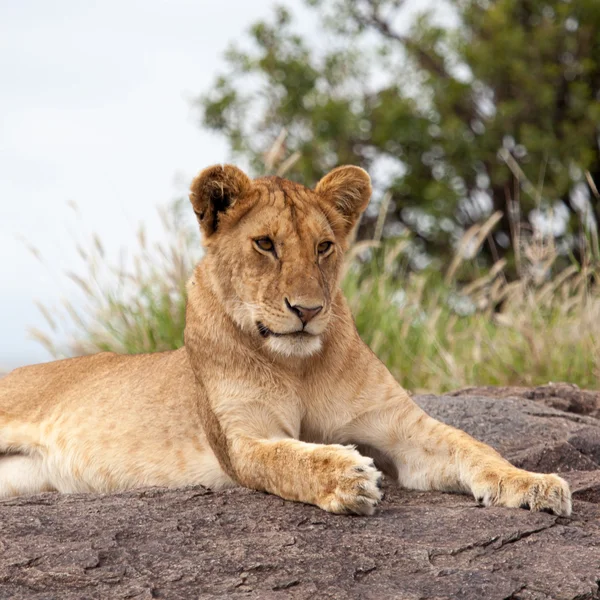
x,y
522,489
355,484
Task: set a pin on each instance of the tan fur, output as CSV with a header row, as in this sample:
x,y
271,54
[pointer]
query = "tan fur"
x,y
262,395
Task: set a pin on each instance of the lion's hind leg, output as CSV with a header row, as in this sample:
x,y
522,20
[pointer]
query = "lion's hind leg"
x,y
22,475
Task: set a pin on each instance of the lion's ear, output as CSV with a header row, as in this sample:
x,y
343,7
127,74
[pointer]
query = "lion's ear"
x,y
214,191
348,188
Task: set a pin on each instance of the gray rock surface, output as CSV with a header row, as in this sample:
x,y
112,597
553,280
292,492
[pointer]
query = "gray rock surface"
x,y
193,543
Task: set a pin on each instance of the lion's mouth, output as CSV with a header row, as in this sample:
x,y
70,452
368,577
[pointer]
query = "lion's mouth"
x,y
266,332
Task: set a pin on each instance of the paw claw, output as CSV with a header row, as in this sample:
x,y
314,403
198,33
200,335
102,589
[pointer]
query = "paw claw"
x,y
531,491
358,485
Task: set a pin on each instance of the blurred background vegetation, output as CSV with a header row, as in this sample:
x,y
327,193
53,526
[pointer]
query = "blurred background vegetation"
x,y
477,261
453,122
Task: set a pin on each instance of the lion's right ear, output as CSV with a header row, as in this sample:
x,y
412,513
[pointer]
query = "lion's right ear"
x,y
214,191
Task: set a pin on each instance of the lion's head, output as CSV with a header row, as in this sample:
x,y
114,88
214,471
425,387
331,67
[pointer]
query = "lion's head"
x,y
274,249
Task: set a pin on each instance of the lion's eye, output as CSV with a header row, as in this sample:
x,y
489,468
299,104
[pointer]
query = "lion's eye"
x,y
324,247
265,244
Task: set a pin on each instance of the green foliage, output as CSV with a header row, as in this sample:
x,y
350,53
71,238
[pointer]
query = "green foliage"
x,y
499,112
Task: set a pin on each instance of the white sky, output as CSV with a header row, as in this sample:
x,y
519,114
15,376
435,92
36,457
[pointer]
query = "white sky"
x,y
95,107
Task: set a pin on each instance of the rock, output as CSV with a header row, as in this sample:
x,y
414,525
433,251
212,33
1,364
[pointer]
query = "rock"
x,y
587,442
192,543
562,396
529,433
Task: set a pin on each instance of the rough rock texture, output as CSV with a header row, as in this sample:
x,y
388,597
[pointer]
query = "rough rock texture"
x,y
241,544
562,396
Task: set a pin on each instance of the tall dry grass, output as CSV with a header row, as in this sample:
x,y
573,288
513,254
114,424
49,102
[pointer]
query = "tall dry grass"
x,y
433,332
126,305
438,335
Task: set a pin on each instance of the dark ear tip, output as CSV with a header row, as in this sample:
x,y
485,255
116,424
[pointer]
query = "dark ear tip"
x,y
214,190
219,179
207,174
221,172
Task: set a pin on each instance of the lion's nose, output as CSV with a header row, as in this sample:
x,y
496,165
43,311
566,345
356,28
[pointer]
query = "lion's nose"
x,y
304,313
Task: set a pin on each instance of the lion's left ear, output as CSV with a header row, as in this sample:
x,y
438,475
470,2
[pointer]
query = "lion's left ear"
x,y
214,191
348,188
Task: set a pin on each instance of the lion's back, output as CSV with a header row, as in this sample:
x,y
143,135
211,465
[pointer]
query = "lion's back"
x,y
105,378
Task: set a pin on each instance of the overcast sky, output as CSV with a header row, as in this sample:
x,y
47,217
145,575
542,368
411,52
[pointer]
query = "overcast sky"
x,y
95,107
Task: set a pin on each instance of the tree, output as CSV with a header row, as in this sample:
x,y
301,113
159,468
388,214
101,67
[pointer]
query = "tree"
x,y
501,112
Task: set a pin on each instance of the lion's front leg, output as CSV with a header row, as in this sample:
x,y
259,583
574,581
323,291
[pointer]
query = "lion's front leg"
x,y
430,455
335,478
262,451
442,457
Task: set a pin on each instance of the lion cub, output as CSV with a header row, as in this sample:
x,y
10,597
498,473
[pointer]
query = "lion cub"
x,y
273,387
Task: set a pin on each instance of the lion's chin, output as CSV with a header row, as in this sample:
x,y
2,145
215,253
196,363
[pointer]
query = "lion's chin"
x,y
294,345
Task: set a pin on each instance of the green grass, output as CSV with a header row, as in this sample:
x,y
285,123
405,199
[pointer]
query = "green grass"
x,y
434,333
435,338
